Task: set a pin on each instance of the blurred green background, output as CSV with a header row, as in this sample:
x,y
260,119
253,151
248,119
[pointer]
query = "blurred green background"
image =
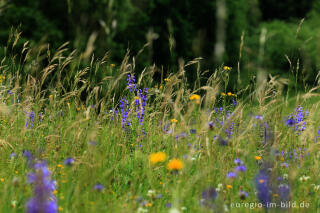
x,y
161,32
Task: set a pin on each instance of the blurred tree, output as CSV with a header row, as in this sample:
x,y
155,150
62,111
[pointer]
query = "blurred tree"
x,y
285,9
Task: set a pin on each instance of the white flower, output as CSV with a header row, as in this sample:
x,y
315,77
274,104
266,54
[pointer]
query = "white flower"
x,y
174,210
151,193
142,210
304,178
220,186
315,187
226,209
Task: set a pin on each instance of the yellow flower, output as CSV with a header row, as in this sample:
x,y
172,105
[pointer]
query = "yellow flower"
x,y
112,65
136,97
161,86
175,164
78,108
60,166
51,97
226,68
223,94
229,186
257,157
2,180
167,80
54,192
173,120
60,208
157,157
229,93
261,181
148,204
194,97
275,195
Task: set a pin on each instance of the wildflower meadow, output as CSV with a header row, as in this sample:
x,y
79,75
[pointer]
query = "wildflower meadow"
x,y
81,136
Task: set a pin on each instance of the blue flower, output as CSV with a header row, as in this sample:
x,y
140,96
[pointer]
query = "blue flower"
x,y
43,201
208,196
243,195
231,175
283,192
241,168
69,161
98,187
262,186
238,161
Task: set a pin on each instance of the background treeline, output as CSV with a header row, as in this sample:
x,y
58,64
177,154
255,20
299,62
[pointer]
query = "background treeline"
x,y
161,32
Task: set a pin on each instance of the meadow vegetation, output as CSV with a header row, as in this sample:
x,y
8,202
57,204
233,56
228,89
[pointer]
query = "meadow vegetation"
x,y
80,134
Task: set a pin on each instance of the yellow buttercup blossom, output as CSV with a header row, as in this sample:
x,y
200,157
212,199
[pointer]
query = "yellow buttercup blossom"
x,y
175,164
167,80
226,68
2,180
194,97
257,157
229,93
229,186
157,157
223,94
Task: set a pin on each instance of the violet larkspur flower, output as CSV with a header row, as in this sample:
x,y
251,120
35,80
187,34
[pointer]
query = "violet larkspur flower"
x,y
27,154
69,161
208,196
283,192
30,119
131,83
98,187
43,201
262,186
193,131
296,120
